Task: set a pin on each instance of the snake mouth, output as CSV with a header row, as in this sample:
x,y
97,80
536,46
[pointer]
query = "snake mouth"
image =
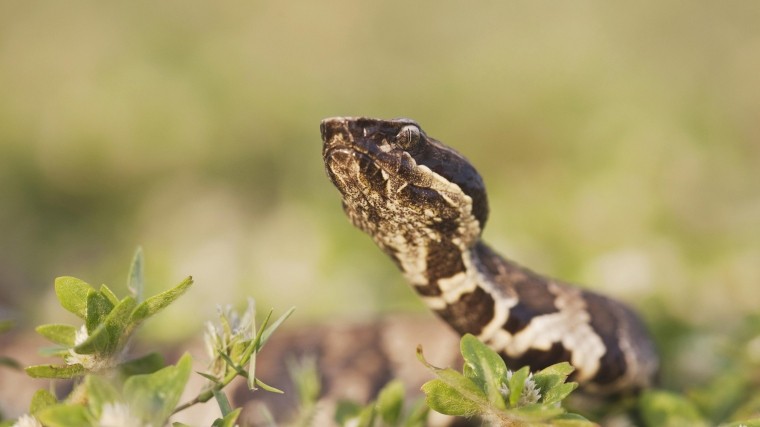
x,y
353,172
352,154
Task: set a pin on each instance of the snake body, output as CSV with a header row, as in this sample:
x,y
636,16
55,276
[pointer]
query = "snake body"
x,y
425,206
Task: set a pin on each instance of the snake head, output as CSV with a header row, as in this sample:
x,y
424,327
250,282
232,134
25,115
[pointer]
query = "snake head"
x,y
400,185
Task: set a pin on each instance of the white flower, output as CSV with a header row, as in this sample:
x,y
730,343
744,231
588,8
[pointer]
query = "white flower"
x,y
118,415
232,328
530,392
91,362
27,420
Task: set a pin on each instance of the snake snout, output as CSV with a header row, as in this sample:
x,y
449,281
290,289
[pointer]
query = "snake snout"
x,y
333,126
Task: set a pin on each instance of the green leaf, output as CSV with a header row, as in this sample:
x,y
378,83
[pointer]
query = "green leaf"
x,y
135,281
98,307
390,401
552,376
485,368
6,325
557,393
65,416
154,396
56,351
366,417
108,338
108,294
572,420
41,400
72,293
9,362
209,377
517,384
99,392
454,389
535,412
55,371
418,415
156,303
222,402
144,365
252,349
305,376
267,387
662,408
228,420
345,411
273,327
59,334
443,398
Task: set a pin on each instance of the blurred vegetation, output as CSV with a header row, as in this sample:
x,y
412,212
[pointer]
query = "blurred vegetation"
x,y
620,145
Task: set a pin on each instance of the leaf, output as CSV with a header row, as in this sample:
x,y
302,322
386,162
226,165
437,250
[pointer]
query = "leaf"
x,y
517,385
228,420
447,400
135,281
536,412
456,390
390,401
418,415
252,349
552,376
273,327
557,393
108,294
572,420
485,368
98,307
56,351
72,294
154,396
345,411
267,387
111,334
366,417
65,416
222,402
144,365
156,303
305,376
662,408
60,334
6,325
99,392
55,371
41,400
9,362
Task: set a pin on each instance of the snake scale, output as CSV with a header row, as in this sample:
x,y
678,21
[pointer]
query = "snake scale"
x,y
425,206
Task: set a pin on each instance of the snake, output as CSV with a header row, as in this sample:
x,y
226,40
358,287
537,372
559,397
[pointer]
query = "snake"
x,y
425,205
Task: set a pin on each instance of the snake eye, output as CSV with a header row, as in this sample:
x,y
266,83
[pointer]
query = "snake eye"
x,y
408,136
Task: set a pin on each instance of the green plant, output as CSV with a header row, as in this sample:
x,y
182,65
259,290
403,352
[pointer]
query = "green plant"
x,y
487,389
385,411
113,390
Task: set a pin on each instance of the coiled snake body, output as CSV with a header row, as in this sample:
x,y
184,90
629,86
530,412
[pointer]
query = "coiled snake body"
x,y
425,206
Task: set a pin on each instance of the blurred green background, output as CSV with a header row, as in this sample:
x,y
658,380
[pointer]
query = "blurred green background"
x,y
620,144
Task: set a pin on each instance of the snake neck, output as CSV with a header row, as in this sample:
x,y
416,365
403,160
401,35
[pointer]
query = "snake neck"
x,y
458,282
